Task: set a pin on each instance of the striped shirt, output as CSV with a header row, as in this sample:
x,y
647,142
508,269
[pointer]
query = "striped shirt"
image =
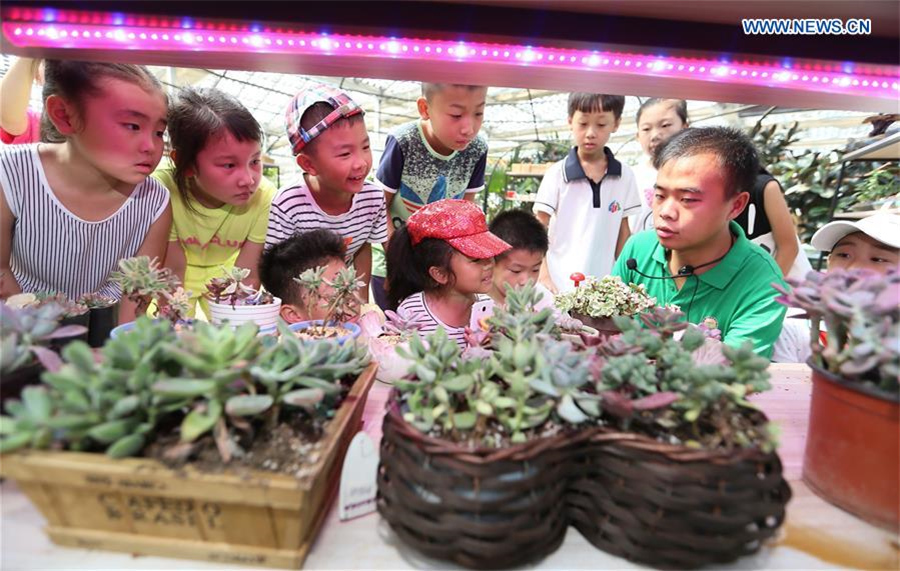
x,y
415,309
55,250
295,211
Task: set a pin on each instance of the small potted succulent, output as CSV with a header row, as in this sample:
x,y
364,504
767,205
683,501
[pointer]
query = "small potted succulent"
x,y
336,299
853,441
385,332
72,313
595,302
152,288
231,300
25,352
104,316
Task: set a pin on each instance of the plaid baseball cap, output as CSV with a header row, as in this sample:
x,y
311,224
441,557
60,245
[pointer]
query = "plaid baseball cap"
x,y
458,222
312,94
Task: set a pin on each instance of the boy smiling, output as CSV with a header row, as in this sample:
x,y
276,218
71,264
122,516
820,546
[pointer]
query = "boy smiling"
x,y
697,257
329,139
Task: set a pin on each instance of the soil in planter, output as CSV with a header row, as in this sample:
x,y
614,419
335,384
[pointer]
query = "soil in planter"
x,y
291,448
327,332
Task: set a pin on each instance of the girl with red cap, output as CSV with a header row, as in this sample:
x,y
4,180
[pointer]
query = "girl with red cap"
x,y
440,264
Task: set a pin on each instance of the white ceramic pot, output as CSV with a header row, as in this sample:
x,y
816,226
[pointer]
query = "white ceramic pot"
x,y
265,316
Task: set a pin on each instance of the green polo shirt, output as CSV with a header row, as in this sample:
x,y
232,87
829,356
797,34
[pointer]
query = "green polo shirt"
x,y
735,296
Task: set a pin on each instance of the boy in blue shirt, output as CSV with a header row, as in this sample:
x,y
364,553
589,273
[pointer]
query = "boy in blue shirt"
x,y
438,156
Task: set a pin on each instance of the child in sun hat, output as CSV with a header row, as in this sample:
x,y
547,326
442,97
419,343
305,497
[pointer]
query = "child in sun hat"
x,y
872,243
440,264
329,140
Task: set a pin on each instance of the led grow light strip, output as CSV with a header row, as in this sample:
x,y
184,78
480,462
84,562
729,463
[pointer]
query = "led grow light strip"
x,y
106,31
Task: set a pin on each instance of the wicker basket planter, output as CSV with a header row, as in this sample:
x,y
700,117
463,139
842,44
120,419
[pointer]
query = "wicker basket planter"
x,y
139,506
485,508
629,495
674,507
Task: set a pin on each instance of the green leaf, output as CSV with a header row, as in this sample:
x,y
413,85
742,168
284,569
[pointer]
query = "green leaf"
x,y
111,431
14,442
504,402
248,405
184,387
484,408
126,446
458,384
464,420
303,397
197,423
37,403
125,406
7,424
569,411
692,414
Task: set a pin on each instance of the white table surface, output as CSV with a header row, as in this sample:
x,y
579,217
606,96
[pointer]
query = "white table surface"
x,y
815,536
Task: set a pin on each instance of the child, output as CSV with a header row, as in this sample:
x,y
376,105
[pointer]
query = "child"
x,y
440,264
657,120
438,156
767,222
20,124
286,260
220,200
71,210
872,243
589,195
528,238
328,136
698,258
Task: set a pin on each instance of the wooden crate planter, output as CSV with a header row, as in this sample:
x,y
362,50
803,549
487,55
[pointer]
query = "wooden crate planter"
x,y
140,506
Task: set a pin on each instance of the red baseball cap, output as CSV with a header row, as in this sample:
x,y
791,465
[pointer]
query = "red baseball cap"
x,y
460,223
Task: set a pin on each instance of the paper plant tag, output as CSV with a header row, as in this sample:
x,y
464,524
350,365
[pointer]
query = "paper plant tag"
x,y
358,478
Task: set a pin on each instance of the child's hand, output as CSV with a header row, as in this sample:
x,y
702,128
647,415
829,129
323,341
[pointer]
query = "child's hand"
x,y
8,284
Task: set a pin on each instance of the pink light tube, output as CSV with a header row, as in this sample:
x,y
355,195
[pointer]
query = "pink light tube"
x,y
30,28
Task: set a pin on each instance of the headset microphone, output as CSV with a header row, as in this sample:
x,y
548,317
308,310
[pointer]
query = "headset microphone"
x,y
683,271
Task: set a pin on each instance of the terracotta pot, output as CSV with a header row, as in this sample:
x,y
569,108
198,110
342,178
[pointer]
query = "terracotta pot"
x,y
853,448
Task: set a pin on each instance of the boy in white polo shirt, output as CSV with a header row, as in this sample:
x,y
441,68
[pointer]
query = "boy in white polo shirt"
x,y
585,199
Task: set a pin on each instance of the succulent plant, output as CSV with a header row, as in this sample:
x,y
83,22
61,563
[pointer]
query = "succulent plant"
x,y
691,389
97,301
26,333
204,380
230,289
143,281
860,311
339,298
69,308
96,405
527,380
606,297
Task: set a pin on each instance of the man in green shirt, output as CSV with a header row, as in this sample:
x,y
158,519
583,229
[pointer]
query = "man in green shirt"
x,y
696,257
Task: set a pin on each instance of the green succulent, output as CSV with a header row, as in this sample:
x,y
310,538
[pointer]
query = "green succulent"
x,y
340,299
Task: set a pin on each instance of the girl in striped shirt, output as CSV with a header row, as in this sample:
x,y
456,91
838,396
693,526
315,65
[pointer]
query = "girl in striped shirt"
x,y
439,264
72,208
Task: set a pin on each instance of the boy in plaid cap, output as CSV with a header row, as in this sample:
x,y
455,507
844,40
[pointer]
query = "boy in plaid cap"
x,y
329,139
